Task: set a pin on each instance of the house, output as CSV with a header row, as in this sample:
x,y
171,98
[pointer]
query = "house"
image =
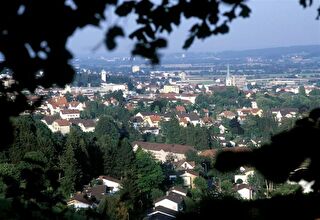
x,y
222,129
227,114
80,201
69,114
173,201
207,121
96,193
183,122
171,89
161,212
136,121
189,98
153,120
185,165
87,125
112,183
150,130
245,191
76,105
61,125
188,178
191,118
55,104
179,190
279,114
180,108
49,119
161,151
250,111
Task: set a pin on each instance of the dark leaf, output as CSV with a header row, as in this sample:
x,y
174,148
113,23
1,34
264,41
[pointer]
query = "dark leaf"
x,y
125,8
111,36
188,42
245,11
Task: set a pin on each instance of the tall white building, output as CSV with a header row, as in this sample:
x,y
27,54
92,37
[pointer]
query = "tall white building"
x,y
103,76
229,81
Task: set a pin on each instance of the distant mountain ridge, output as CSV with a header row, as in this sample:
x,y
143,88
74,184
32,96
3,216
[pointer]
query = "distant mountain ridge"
x,y
308,50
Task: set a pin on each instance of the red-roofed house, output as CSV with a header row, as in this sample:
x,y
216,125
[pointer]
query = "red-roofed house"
x,y
55,104
180,108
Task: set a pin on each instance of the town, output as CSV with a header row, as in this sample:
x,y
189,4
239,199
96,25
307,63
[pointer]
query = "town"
x,y
169,124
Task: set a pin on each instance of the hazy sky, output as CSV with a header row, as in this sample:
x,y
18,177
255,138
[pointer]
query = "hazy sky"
x,y
272,23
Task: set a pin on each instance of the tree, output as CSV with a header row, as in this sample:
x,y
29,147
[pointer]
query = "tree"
x,y
68,164
149,172
107,126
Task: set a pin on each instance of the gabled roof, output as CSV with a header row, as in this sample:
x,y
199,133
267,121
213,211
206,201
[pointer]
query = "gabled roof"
x,y
157,212
60,101
110,179
180,108
155,118
50,119
98,191
173,148
88,123
80,197
179,189
174,197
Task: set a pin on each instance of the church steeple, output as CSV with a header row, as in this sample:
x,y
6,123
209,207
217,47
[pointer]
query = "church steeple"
x,y
228,77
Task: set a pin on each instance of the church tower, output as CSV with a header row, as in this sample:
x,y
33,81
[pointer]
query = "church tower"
x,y
228,78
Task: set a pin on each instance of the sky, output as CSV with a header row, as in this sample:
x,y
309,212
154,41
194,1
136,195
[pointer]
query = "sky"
x,y
272,23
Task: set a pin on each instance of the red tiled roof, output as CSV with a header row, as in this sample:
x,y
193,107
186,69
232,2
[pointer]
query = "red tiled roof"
x,y
60,101
180,108
155,118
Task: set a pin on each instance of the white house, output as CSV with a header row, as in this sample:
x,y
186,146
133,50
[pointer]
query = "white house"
x,y
179,190
188,178
111,182
87,125
171,201
161,212
76,105
69,114
61,125
78,201
185,165
245,191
